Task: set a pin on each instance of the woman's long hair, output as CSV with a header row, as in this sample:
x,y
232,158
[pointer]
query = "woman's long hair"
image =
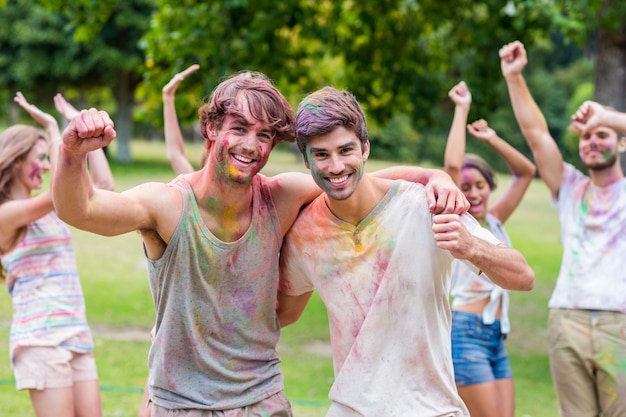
x,y
15,144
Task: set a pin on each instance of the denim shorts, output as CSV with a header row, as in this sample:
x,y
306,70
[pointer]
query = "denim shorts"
x,y
478,351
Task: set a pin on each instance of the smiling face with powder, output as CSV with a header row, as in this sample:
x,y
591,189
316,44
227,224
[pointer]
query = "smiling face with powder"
x,y
23,162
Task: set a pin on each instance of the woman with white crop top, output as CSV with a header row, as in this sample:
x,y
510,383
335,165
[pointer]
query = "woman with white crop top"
x,y
480,319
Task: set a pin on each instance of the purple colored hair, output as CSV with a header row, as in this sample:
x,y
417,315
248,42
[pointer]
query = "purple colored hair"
x,y
322,111
478,163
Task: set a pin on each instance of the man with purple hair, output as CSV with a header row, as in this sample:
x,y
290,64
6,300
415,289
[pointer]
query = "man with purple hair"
x,y
381,263
212,240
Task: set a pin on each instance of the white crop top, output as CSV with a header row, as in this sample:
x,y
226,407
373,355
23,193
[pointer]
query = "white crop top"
x,y
467,287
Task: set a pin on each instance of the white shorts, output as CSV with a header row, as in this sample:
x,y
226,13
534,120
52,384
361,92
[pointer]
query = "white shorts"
x,y
41,367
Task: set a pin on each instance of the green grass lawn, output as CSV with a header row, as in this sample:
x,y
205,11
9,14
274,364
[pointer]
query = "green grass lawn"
x,y
121,313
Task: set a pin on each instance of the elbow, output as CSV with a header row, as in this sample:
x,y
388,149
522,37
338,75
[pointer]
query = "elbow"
x,y
453,170
529,172
172,156
67,215
531,281
286,320
108,185
286,317
527,281
526,172
71,215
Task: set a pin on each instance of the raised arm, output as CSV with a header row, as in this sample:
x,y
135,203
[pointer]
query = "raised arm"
x,y
505,266
173,136
522,168
101,174
591,114
532,123
79,203
47,121
455,146
444,196
64,107
99,165
20,211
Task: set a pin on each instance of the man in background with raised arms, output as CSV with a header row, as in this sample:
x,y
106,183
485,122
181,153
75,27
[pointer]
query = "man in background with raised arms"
x,y
587,319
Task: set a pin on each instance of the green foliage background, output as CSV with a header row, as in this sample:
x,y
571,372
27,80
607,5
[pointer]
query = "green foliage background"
x,y
399,57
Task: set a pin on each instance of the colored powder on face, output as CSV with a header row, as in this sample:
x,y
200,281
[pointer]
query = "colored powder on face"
x,y
360,170
232,170
34,172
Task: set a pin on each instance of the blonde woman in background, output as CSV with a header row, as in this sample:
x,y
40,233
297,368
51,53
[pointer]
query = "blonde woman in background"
x,y
50,341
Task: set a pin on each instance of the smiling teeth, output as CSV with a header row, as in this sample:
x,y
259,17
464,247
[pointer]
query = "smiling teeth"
x,y
242,159
338,180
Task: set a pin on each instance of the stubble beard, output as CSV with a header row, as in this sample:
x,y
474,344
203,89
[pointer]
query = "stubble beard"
x,y
602,165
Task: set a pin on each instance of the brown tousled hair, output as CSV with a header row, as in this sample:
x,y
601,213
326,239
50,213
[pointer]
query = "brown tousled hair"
x,y
265,102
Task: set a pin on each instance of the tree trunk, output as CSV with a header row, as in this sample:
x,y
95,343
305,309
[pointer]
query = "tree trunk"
x,y
124,93
610,69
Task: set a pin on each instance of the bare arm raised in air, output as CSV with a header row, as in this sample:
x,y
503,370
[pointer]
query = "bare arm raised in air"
x,y
522,168
531,120
591,114
173,136
22,209
99,165
455,146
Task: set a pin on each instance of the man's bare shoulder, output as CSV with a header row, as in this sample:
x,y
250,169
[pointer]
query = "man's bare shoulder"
x,y
163,204
151,190
294,185
161,200
290,192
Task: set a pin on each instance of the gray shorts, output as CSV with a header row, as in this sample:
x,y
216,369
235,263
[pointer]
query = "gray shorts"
x,y
275,406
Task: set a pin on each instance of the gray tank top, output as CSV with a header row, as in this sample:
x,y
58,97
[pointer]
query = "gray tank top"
x,y
215,301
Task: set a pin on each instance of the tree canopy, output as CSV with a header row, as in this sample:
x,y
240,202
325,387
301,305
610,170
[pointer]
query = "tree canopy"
x,y
399,57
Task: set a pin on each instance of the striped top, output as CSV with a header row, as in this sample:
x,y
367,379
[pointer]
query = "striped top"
x,y
42,279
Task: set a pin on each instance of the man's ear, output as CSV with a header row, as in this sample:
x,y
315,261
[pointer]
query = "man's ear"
x,y
621,144
211,132
306,162
366,150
